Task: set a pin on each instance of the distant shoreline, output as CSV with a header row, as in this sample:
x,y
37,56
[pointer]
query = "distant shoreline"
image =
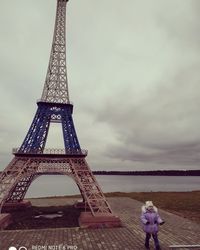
x,y
118,194
143,173
153,173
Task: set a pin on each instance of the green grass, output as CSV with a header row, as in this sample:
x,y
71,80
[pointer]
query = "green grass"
x,y
186,204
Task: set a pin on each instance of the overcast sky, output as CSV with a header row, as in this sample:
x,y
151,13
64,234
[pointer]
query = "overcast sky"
x,y
134,79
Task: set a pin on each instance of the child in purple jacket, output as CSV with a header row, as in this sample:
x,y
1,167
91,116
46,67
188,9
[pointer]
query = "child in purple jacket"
x,y
151,219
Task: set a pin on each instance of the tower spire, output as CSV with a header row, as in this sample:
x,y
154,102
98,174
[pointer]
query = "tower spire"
x,y
56,84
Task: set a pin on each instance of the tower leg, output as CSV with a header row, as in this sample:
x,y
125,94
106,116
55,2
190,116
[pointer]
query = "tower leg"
x,y
15,199
91,191
18,176
97,212
14,182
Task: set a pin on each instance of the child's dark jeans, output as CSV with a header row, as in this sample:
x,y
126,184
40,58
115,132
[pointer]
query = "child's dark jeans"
x,y
155,238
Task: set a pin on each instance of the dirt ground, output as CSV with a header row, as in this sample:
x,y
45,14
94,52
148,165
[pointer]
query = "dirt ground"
x,y
185,204
34,217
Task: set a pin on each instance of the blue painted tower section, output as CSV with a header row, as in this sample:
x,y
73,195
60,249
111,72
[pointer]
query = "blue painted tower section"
x,y
54,105
47,112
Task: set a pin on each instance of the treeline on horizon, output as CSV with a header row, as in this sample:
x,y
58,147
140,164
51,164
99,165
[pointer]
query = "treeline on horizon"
x,y
152,172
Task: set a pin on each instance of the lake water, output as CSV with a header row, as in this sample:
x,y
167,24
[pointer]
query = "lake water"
x,y
59,185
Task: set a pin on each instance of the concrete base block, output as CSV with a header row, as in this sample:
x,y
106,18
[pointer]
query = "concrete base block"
x,y
5,220
87,220
13,206
80,204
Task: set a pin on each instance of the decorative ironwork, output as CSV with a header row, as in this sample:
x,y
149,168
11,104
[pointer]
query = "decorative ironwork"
x,y
22,171
36,137
32,159
56,85
52,151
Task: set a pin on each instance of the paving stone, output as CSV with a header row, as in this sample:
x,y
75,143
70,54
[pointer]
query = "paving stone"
x,y
176,230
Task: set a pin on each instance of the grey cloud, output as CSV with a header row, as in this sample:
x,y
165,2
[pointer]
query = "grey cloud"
x,y
133,71
183,155
163,128
180,21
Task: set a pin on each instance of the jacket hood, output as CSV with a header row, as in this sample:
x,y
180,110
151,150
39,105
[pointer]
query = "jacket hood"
x,y
144,209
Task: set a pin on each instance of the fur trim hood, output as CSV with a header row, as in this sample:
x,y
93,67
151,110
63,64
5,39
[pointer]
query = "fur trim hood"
x,y
144,209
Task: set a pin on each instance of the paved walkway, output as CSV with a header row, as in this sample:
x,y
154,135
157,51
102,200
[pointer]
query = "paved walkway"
x,y
176,230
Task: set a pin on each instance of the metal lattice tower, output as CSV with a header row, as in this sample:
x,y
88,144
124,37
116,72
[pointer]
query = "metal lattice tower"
x,y
32,160
56,86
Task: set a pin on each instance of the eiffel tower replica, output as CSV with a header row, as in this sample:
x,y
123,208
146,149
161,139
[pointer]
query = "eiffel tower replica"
x,y
32,159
